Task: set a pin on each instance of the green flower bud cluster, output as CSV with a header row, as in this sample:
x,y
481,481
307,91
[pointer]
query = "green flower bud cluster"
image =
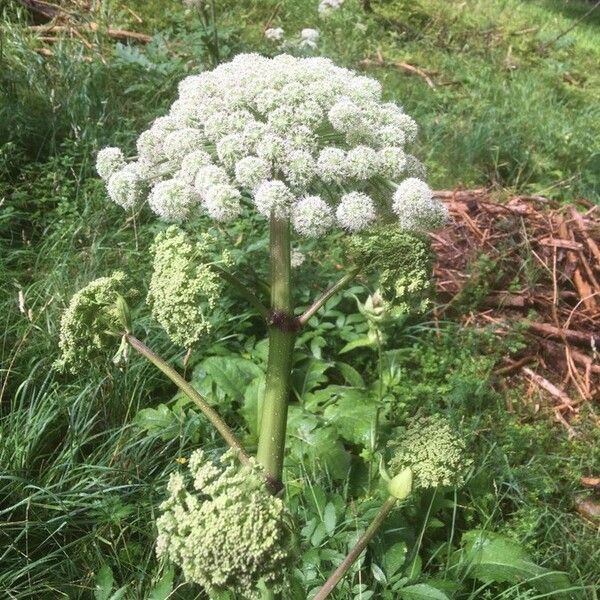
x,y
231,533
433,451
183,287
93,320
403,262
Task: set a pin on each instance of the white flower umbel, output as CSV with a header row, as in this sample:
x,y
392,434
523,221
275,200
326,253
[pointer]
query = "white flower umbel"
x,y
208,176
356,211
328,6
126,186
109,161
172,200
251,171
222,202
273,198
192,163
274,34
312,217
416,207
310,38
282,129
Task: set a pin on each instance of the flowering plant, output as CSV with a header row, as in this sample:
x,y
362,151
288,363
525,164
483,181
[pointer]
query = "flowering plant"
x,y
309,147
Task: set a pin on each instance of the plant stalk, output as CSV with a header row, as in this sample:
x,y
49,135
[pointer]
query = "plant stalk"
x,y
243,291
209,412
318,303
271,441
367,536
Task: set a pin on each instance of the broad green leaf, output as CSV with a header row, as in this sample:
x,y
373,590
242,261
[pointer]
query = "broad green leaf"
x,y
353,415
104,583
309,376
329,518
491,557
394,558
378,574
224,377
421,591
252,403
310,440
350,374
360,342
163,587
155,420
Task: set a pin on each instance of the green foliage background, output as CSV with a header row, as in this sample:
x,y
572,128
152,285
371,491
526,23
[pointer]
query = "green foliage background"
x,y
84,461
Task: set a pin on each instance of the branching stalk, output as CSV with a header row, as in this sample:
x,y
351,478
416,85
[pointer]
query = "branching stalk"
x,y
191,393
356,551
319,302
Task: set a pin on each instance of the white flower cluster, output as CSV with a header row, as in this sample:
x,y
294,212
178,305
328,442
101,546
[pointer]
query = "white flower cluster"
x,y
298,138
327,6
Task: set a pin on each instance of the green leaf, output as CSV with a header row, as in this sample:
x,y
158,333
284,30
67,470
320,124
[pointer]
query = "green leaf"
x,y
378,574
421,591
360,342
309,376
494,558
164,586
353,414
329,518
104,583
350,375
394,559
225,377
251,409
309,440
155,420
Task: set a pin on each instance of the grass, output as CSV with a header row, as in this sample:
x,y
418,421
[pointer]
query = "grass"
x,y
81,480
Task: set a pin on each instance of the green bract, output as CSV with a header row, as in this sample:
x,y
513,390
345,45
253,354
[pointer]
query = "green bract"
x,y
433,451
93,320
183,287
228,534
403,262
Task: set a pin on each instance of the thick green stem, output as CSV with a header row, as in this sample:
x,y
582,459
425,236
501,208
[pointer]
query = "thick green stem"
x,y
352,556
191,393
271,442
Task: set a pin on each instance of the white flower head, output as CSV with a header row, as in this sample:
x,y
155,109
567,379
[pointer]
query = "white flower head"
x,y
192,163
172,200
310,37
222,202
392,162
297,258
230,149
355,211
362,163
251,171
299,168
274,34
331,165
126,186
328,6
273,198
182,142
208,176
312,216
109,161
416,207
